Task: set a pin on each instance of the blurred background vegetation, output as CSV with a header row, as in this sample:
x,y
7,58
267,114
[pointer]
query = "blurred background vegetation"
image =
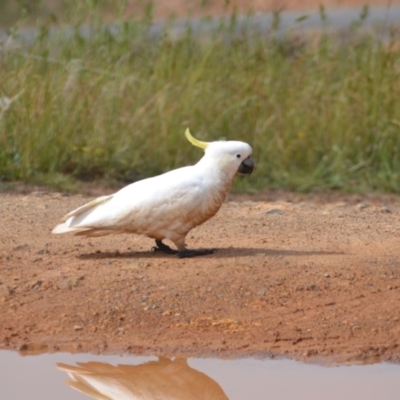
x,y
12,11
111,103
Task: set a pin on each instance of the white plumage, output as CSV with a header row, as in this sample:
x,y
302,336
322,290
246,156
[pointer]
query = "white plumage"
x,y
167,206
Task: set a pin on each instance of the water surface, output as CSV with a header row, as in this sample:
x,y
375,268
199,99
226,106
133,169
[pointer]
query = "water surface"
x,y
129,377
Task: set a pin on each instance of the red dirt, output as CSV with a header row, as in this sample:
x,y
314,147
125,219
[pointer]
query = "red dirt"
x,y
308,277
300,276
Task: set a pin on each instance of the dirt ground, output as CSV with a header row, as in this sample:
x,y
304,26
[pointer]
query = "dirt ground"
x,y
310,277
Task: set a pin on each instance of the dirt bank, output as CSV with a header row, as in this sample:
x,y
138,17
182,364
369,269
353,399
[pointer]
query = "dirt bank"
x,y
303,277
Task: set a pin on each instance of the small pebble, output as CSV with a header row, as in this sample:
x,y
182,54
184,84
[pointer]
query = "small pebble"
x,y
275,211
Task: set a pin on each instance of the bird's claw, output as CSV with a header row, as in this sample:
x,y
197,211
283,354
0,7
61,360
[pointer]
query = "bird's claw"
x,y
170,251
161,247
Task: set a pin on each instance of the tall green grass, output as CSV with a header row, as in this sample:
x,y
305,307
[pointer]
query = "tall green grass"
x,y
321,111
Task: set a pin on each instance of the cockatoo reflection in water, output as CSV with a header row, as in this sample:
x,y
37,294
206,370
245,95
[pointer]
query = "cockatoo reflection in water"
x,y
167,206
164,379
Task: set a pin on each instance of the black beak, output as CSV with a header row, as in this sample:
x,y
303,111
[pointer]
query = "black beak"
x,y
247,166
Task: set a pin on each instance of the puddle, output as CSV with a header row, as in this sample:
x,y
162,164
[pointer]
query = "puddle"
x,y
129,377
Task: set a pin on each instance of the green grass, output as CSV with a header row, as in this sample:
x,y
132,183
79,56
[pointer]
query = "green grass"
x,y
320,114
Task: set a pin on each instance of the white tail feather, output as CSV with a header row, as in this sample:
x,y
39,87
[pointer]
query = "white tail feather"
x,y
64,228
67,222
94,203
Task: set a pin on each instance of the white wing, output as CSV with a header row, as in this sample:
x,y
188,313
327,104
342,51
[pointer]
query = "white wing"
x,y
142,207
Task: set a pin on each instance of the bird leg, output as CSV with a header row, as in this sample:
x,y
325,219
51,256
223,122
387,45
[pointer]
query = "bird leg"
x,y
160,246
193,253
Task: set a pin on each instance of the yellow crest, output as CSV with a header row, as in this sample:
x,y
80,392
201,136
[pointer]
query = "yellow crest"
x,y
195,142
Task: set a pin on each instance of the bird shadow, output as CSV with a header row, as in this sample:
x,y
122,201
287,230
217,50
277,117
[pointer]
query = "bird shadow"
x,y
229,252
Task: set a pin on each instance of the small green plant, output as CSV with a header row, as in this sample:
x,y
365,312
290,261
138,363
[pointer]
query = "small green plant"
x,y
110,102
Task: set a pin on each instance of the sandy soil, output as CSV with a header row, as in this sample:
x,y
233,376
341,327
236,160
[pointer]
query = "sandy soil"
x,y
304,277
314,278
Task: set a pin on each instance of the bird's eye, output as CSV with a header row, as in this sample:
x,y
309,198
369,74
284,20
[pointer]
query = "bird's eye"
x,y
238,156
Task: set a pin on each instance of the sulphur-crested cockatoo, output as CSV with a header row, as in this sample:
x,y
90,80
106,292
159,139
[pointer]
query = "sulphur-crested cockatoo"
x,y
167,206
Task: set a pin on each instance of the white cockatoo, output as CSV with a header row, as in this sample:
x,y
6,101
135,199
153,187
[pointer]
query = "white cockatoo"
x,y
166,206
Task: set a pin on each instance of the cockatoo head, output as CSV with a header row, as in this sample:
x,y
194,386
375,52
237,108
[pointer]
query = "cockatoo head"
x,y
230,156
